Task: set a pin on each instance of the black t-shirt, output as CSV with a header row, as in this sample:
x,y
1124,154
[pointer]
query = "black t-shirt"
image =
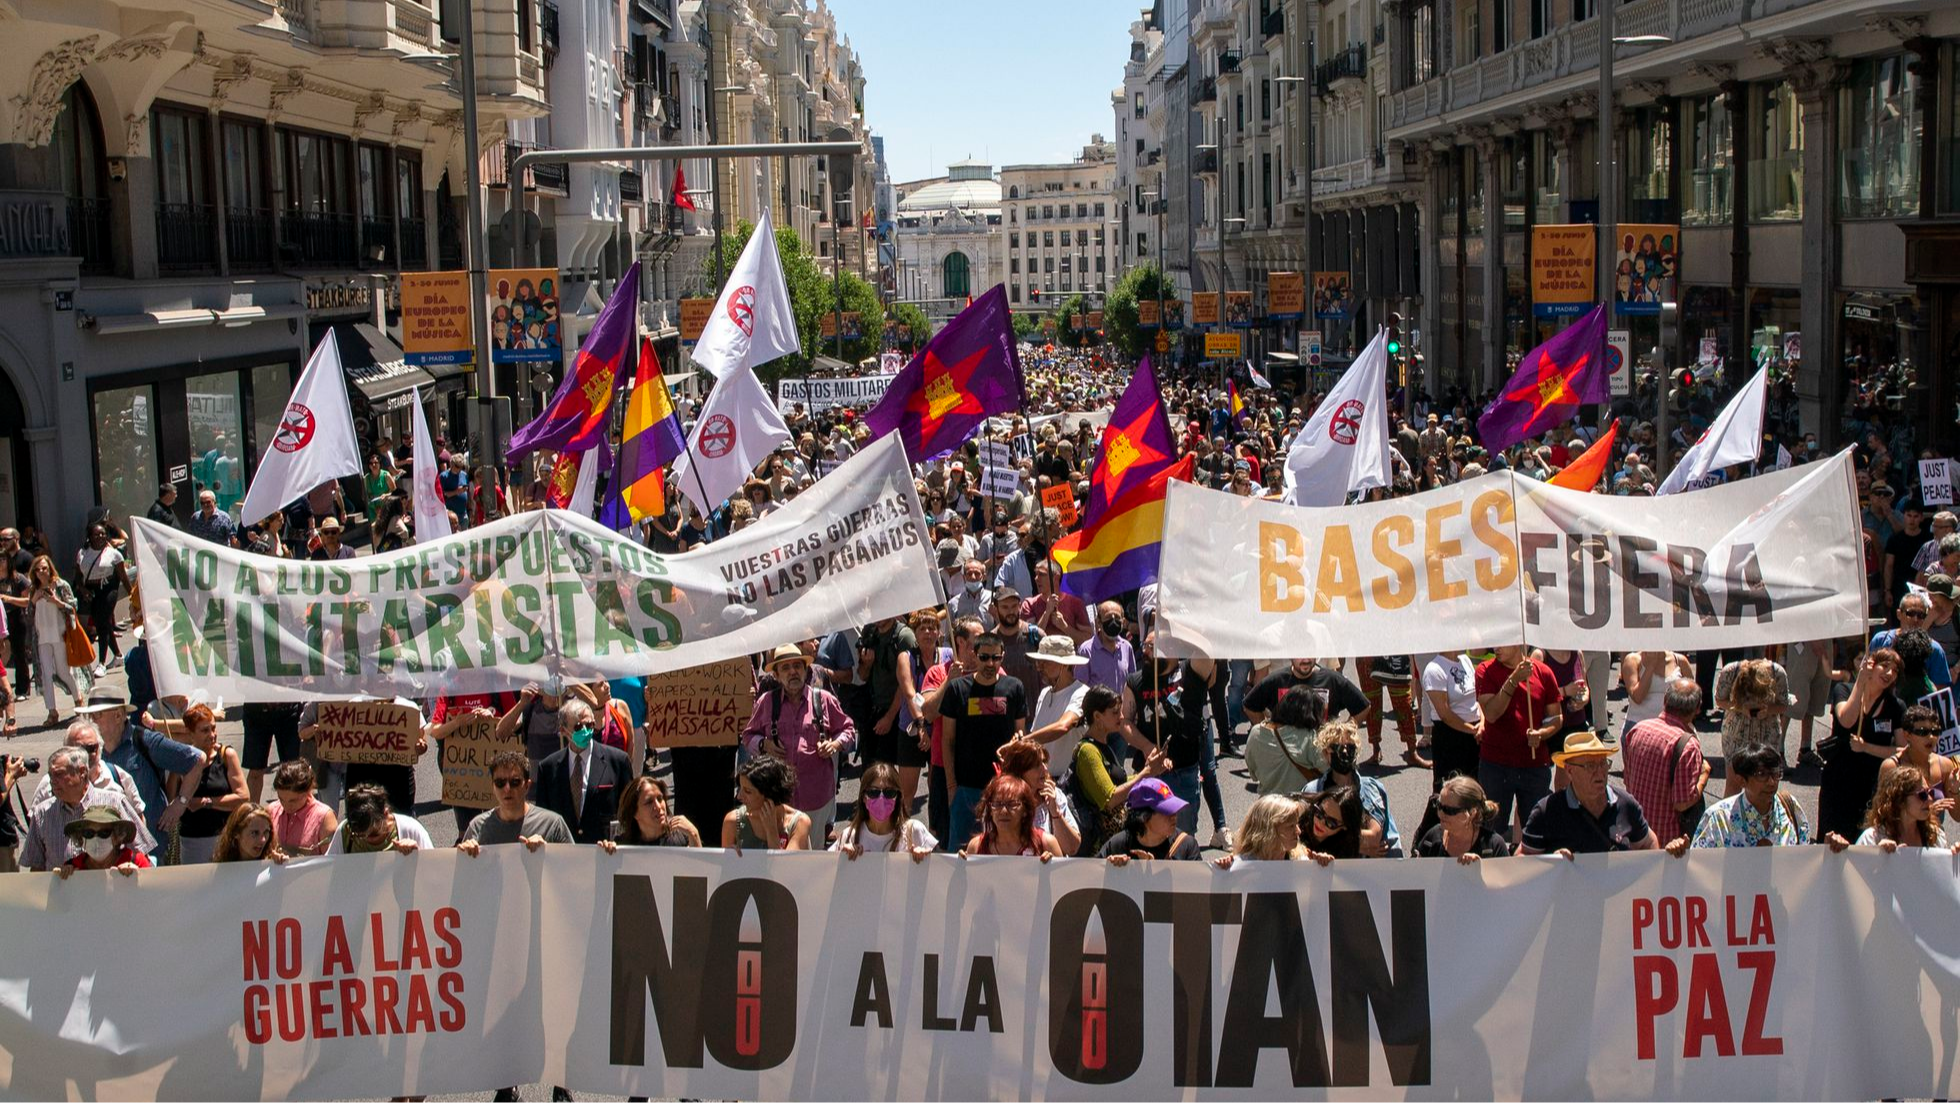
x,y
1489,844
1902,548
1560,822
983,719
1164,715
1337,694
1184,850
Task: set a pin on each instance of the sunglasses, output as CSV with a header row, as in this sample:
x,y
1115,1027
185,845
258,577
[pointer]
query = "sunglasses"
x,y
892,793
1454,810
1926,794
1331,820
1012,806
510,782
1912,614
989,658
1929,732
96,833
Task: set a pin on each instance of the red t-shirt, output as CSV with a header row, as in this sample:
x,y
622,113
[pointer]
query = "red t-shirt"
x,y
1536,698
128,854
935,677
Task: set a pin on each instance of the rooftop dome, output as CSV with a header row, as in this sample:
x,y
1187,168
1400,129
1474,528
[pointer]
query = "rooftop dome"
x,y
970,185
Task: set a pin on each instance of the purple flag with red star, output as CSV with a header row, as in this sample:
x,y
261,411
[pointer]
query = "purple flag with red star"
x,y
580,413
969,372
1550,385
1136,444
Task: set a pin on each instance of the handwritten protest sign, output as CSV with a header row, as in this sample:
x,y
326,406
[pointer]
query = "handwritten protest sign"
x,y
702,706
1062,500
1000,482
469,742
1936,482
376,732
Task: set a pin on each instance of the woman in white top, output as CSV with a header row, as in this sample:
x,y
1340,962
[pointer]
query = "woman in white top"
x,y
104,578
1644,675
876,823
53,603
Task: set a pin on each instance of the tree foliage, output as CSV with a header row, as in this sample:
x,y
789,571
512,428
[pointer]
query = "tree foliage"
x,y
1120,313
1027,326
812,295
1065,331
909,314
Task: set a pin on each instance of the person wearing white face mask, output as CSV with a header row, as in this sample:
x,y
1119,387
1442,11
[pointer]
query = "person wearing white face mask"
x,y
105,839
971,597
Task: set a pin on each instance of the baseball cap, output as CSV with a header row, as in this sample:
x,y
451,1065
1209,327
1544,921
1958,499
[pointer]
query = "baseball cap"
x,y
1152,795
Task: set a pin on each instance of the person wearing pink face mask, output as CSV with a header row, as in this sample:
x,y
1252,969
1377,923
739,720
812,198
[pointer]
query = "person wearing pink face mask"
x,y
875,822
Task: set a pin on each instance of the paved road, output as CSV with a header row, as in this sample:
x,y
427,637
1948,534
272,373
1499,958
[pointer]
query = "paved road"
x,y
1408,788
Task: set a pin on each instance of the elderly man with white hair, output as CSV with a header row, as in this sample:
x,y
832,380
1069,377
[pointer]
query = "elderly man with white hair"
x,y
47,844
83,734
582,780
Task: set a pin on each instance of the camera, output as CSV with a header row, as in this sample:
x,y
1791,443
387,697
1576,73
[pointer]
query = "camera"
x,y
31,765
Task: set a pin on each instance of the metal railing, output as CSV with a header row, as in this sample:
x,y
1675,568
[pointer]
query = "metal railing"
x,y
415,244
1205,91
377,243
1273,25
1228,62
250,238
318,239
187,237
1349,64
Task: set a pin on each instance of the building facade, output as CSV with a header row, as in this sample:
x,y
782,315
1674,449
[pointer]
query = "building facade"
x,y
946,239
1059,229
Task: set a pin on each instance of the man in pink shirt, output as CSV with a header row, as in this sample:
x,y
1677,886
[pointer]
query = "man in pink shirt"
x,y
806,727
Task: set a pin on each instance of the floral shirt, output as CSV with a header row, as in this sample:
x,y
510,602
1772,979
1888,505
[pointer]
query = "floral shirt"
x,y
1735,822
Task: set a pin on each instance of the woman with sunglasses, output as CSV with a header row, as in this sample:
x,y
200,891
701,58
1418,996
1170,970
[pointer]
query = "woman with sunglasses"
x,y
1006,810
1901,814
1332,823
1865,722
1922,735
1463,828
876,822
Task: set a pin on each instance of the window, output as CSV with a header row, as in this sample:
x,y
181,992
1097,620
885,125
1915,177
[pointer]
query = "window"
x,y
1065,237
1047,210
1583,9
1776,175
1711,176
1143,245
1013,241
1500,27
1099,262
1473,192
1014,192
1266,185
1647,159
1473,34
1048,239
408,201
953,276
1879,123
1138,105
525,20
1422,42
80,169
1238,112
180,156
1048,264
1014,293
1013,266
1541,18
1081,209
1100,213
1066,266
318,223
1265,99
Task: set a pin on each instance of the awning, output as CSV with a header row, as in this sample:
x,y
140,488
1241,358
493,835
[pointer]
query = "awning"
x,y
107,324
1286,358
375,365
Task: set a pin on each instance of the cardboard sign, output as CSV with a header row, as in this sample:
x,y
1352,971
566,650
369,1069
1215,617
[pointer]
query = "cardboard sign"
x,y
1000,482
694,317
1708,352
1936,482
1061,499
1941,701
995,453
702,706
469,742
378,732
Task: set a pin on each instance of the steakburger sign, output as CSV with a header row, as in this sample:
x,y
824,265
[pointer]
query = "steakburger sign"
x,y
1503,558
1772,973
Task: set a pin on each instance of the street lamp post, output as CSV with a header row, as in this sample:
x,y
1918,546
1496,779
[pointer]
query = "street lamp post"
x,y
1306,206
1158,197
1607,135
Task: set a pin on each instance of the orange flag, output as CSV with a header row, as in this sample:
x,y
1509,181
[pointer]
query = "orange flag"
x,y
1585,469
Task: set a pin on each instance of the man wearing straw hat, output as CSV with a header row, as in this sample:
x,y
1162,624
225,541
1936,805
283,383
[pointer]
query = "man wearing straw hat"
x,y
805,727
1589,816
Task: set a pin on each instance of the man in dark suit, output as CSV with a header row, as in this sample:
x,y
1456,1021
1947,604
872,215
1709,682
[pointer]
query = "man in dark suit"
x,y
582,780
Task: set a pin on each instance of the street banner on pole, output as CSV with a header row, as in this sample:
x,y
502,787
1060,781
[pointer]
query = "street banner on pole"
x,y
436,318
543,596
1204,308
1761,973
1504,559
1562,270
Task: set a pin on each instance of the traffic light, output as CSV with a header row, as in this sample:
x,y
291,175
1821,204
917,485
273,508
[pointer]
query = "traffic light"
x,y
1394,335
1684,388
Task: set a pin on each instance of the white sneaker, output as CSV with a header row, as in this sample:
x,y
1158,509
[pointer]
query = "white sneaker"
x,y
1221,839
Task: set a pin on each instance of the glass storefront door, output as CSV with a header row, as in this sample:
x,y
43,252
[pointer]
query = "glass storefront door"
x,y
126,470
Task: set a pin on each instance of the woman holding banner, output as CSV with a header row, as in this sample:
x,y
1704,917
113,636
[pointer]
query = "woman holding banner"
x,y
1864,732
1922,735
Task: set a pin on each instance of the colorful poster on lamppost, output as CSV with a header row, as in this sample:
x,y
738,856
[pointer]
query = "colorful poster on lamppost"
x,y
1562,266
1173,313
1238,309
1204,308
1148,313
436,318
1645,267
524,316
1096,320
1333,295
694,317
1286,295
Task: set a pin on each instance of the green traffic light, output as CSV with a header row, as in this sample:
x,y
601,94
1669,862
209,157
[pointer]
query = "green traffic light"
x,y
1394,347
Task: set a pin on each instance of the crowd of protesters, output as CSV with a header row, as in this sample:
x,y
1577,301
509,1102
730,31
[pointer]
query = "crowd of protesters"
x,y
1018,719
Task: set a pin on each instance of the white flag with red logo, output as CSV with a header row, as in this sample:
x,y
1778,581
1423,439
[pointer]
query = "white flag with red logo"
x,y
314,443
1345,445
752,322
737,429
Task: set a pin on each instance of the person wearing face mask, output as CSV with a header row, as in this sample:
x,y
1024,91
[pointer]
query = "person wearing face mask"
x,y
581,781
1378,835
876,824
103,839
1110,660
971,597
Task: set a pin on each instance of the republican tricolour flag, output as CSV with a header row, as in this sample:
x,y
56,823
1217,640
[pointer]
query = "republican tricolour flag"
x,y
752,322
1551,383
650,439
580,413
1121,550
315,440
1136,444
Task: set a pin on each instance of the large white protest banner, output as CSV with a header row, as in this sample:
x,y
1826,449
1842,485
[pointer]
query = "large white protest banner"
x,y
816,395
546,597
1502,559
1773,973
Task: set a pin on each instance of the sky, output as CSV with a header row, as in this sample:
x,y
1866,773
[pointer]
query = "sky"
x,y
1006,81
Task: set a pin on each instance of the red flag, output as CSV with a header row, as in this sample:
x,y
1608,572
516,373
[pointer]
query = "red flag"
x,y
681,198
1585,469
